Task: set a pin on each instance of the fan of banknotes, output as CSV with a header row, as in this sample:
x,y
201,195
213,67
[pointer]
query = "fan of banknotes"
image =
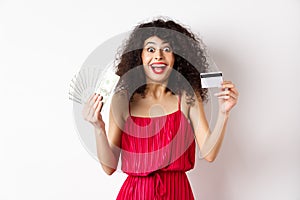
x,y
92,80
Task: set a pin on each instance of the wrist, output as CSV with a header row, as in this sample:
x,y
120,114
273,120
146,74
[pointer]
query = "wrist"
x,y
99,131
224,114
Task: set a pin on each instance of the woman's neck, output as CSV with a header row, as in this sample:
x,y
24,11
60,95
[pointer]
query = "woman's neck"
x,y
156,91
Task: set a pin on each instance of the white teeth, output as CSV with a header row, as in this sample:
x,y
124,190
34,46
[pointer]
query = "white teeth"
x,y
158,65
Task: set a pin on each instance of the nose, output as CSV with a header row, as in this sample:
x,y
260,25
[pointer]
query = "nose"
x,y
158,54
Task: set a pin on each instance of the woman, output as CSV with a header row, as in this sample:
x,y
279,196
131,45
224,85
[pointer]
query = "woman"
x,y
157,114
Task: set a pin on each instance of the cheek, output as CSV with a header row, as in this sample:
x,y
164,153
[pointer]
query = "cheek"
x,y
145,57
172,60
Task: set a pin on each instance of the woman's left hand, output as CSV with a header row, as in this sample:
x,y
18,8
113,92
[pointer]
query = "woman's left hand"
x,y
228,96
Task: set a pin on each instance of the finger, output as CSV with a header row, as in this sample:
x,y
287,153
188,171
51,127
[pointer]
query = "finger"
x,y
233,95
93,111
226,93
90,113
86,109
94,107
97,102
87,104
92,101
91,105
228,85
223,92
234,90
223,97
92,95
98,109
226,82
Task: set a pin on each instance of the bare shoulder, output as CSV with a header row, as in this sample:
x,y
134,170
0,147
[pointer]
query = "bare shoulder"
x,y
185,104
190,103
121,94
119,105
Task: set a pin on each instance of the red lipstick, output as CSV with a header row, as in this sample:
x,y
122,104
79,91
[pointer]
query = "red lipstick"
x,y
158,67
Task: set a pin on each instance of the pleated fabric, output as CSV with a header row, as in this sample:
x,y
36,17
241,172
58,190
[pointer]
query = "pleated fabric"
x,y
156,153
160,185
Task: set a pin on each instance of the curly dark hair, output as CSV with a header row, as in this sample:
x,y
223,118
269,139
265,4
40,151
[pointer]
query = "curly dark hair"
x,y
190,59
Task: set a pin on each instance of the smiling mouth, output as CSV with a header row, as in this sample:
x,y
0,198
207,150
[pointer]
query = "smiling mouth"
x,y
158,68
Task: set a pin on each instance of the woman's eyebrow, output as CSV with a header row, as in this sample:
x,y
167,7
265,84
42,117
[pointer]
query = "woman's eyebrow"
x,y
149,43
156,44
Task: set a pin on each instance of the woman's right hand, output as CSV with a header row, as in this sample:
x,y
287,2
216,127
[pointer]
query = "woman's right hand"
x,y
91,111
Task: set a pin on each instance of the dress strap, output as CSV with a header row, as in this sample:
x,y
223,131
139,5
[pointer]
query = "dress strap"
x,y
179,101
128,99
129,112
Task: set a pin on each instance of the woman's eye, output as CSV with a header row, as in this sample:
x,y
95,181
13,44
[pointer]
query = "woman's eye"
x,y
167,49
150,49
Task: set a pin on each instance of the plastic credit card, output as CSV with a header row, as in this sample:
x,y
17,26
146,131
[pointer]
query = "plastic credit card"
x,y
211,79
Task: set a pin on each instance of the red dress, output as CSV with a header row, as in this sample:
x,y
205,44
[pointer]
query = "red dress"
x,y
156,153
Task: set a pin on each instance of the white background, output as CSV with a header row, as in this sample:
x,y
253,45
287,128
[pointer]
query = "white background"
x,y
43,43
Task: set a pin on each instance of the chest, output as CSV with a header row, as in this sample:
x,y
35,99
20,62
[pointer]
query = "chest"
x,y
149,107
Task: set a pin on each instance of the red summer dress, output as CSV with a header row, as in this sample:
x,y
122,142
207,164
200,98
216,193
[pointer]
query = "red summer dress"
x,y
156,153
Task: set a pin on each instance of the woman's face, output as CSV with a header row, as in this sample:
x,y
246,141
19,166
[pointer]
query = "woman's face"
x,y
158,59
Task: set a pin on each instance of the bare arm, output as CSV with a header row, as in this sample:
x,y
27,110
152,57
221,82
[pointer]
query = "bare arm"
x,y
210,142
108,145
